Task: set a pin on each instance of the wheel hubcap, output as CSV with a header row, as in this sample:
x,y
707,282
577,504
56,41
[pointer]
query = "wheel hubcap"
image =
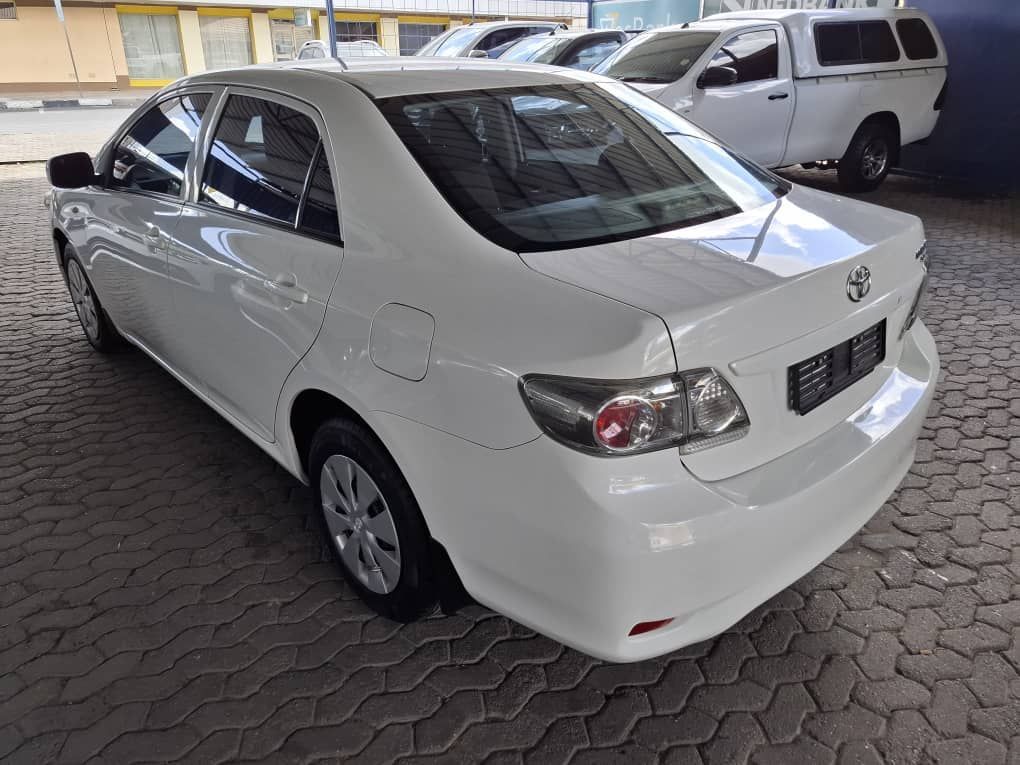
x,y
360,524
84,302
876,156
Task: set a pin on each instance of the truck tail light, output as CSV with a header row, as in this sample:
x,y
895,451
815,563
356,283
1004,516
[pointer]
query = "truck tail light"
x,y
642,627
692,410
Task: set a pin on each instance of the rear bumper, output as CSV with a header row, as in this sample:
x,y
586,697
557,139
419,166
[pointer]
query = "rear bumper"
x,y
582,549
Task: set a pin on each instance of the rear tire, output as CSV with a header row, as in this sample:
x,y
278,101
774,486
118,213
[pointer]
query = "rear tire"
x,y
375,529
96,325
868,158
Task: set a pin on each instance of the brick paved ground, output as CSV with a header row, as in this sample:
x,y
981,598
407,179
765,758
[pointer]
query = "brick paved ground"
x,y
163,596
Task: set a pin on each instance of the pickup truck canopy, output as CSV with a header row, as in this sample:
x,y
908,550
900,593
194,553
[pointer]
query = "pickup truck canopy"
x,y
801,26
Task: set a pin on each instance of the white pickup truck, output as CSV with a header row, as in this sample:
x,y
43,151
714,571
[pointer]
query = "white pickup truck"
x,y
842,87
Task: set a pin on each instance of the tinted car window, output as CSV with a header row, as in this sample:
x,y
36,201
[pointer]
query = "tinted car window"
x,y
659,57
918,42
589,54
501,37
859,42
259,159
319,216
550,167
541,49
312,51
754,55
152,156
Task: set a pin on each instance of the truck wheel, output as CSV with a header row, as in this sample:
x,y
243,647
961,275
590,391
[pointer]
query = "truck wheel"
x,y
868,158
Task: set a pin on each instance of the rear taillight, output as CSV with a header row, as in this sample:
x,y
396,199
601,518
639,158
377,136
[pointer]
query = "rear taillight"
x,y
922,257
940,99
693,410
644,627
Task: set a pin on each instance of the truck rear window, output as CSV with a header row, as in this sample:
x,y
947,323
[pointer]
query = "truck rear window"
x,y
917,39
557,166
855,42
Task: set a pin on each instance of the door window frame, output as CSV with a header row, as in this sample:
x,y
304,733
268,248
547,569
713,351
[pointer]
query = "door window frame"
x,y
193,180
781,72
108,154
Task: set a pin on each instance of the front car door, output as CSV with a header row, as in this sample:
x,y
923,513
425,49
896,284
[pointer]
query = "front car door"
x,y
753,114
255,253
134,214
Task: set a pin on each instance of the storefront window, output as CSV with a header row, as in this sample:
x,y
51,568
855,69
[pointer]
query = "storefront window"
x,y
226,41
352,31
288,38
152,45
414,36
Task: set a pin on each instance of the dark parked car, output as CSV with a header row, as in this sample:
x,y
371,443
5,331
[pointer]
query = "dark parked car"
x,y
577,50
487,39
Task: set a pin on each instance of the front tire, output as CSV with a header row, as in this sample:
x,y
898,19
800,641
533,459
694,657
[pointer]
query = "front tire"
x,y
98,328
868,158
375,529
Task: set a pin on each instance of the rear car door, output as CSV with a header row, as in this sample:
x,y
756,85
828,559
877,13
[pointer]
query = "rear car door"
x,y
256,252
753,114
134,214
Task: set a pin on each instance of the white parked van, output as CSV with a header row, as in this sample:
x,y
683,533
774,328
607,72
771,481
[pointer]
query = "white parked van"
x,y
799,87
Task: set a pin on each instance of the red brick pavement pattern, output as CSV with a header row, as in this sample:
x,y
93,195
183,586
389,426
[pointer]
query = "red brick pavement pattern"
x,y
164,597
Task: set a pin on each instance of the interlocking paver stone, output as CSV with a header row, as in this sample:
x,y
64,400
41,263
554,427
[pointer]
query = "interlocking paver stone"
x,y
164,596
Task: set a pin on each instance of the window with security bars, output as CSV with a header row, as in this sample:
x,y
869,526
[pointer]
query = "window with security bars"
x,y
352,31
8,10
415,36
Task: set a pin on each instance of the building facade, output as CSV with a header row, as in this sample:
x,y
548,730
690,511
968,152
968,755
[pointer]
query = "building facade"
x,y
120,46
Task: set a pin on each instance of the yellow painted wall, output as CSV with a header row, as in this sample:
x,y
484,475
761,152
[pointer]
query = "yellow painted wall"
x,y
191,42
33,48
261,38
388,32
116,42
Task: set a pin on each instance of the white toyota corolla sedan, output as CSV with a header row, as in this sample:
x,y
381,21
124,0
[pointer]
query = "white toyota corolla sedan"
x,y
518,326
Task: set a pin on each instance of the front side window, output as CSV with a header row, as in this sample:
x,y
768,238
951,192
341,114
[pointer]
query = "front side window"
x,y
657,57
855,42
586,56
501,37
917,39
558,166
754,56
312,51
538,50
152,156
259,160
450,44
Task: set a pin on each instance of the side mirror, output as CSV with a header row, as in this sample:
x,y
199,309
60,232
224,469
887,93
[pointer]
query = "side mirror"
x,y
478,54
71,171
717,77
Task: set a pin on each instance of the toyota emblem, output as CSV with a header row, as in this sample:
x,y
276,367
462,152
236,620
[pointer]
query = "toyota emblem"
x,y
858,284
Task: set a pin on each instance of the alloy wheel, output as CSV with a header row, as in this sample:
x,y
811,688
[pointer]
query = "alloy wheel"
x,y
83,299
360,524
875,159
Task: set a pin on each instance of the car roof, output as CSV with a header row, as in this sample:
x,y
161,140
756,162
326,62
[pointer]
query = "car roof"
x,y
517,23
385,76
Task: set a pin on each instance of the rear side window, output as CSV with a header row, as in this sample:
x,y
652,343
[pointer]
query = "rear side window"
x,y
152,156
917,39
855,42
259,160
319,215
590,54
755,56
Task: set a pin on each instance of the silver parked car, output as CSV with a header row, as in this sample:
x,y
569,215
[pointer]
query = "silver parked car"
x,y
489,39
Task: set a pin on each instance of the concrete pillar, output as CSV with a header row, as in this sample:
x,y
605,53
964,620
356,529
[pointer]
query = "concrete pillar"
x,y
116,46
261,37
191,42
389,32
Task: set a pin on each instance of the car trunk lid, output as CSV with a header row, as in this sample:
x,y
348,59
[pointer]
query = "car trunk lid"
x,y
757,292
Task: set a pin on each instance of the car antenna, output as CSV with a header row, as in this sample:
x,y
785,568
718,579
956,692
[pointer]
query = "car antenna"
x,y
343,64
686,25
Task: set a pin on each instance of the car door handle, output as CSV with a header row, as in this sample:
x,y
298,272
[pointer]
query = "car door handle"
x,y
152,231
287,289
778,96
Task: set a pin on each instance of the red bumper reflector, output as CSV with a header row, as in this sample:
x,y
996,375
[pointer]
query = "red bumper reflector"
x,y
642,627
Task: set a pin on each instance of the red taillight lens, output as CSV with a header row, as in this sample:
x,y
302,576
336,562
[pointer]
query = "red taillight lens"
x,y
642,627
625,423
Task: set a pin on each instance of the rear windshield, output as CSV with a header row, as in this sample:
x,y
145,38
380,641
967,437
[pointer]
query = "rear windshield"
x,y
656,57
557,166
